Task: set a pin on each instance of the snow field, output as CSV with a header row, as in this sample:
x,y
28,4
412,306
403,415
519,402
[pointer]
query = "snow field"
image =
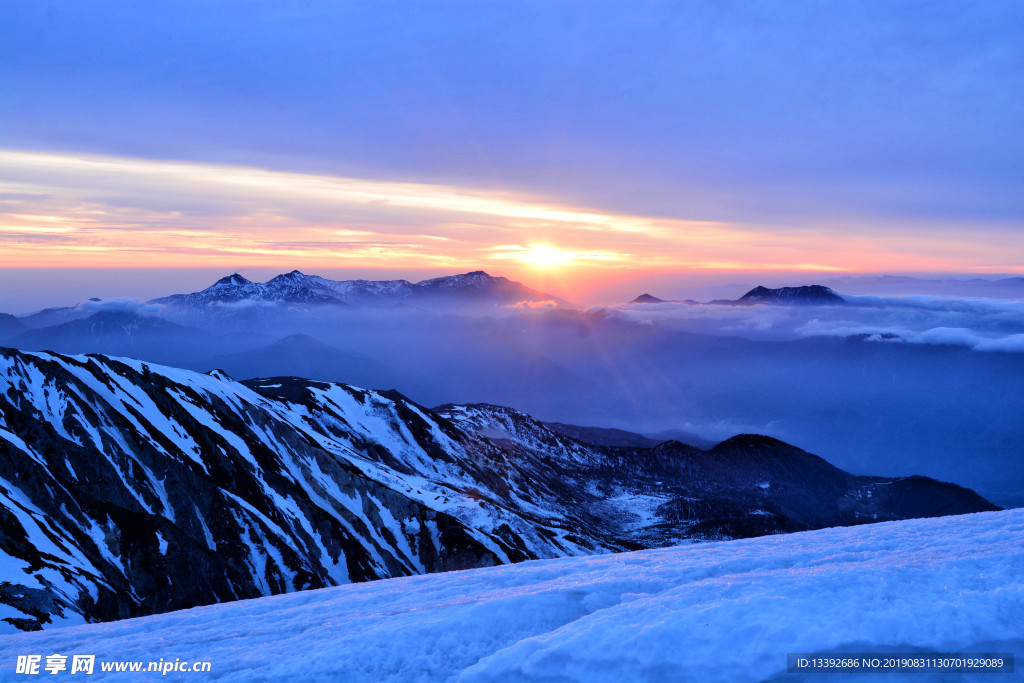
x,y
727,611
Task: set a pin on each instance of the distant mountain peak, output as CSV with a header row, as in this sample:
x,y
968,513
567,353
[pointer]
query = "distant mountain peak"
x,y
646,298
476,279
752,441
301,341
233,280
804,295
292,275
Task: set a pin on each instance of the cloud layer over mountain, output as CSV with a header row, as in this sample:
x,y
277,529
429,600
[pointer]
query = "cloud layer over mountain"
x,y
978,323
886,385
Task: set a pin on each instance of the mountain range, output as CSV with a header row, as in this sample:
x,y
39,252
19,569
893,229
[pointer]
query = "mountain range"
x,y
236,299
806,295
298,288
129,488
705,370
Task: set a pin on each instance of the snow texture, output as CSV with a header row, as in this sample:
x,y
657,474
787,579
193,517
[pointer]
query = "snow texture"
x,y
727,611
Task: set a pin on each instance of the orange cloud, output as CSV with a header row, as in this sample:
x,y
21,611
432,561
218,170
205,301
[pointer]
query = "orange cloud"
x,y
83,211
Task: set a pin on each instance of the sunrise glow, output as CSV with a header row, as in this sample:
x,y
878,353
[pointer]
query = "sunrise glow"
x,y
60,210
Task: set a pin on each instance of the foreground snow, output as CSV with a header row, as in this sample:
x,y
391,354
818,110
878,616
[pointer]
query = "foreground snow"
x,y
725,611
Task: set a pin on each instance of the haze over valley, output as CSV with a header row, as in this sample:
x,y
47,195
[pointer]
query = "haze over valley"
x,y
892,385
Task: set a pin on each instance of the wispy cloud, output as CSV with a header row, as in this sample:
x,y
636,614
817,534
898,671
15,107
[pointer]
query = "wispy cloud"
x,y
81,210
120,305
122,205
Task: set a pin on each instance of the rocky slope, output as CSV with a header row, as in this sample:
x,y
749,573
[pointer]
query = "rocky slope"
x,y
128,488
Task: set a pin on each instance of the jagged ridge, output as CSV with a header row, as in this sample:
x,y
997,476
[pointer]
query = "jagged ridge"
x,y
117,474
298,288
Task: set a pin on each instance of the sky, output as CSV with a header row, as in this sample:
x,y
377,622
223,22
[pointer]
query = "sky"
x,y
566,144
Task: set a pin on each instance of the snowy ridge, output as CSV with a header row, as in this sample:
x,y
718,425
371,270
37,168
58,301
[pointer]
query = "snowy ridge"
x,y
727,611
295,287
181,469
269,487
499,422
116,473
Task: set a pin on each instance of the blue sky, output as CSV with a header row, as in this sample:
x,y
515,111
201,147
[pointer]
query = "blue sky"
x,y
897,125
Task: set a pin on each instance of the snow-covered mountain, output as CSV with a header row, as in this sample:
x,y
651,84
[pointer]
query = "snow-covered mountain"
x,y
235,291
289,288
747,485
704,613
128,488
118,474
480,286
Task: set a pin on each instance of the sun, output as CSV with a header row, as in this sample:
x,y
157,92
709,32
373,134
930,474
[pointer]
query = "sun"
x,y
546,256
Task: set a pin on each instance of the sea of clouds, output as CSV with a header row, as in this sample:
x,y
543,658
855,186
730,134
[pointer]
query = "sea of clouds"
x,y
978,323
